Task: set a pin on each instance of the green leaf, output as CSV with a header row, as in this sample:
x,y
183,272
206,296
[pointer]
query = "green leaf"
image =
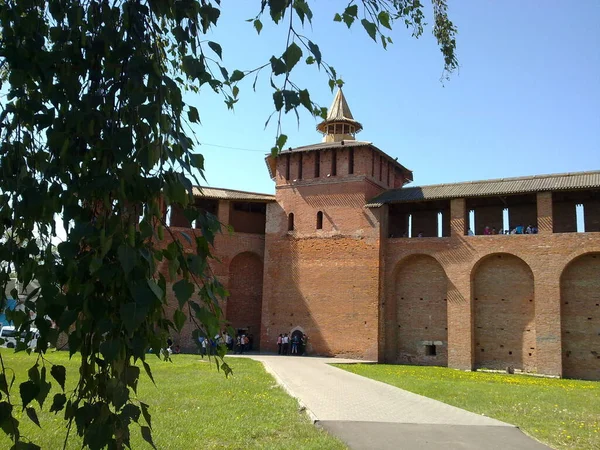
x,y
32,415
147,435
131,412
351,10
258,25
314,48
384,19
58,403
337,18
155,288
291,56
193,115
146,408
303,10
28,390
281,140
291,99
305,100
237,75
4,384
179,319
149,373
277,9
277,66
127,258
120,396
44,389
183,291
95,264
106,246
110,349
216,48
197,161
132,315
278,100
132,374
371,28
8,423
59,373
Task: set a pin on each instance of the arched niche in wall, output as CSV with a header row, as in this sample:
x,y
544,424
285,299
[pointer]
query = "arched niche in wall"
x,y
504,313
420,289
580,317
243,308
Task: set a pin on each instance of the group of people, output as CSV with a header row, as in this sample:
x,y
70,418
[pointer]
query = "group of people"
x,y
241,343
519,229
292,345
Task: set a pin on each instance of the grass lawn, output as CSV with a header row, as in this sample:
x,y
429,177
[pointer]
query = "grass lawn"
x,y
563,414
193,407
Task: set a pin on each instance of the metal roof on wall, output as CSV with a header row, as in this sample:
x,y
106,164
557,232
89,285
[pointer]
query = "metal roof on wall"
x,y
502,186
230,194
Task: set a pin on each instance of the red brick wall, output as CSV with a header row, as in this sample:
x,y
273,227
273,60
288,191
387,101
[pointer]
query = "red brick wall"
x,y
363,158
178,219
421,311
490,216
325,282
524,215
226,248
545,254
564,217
425,222
504,313
243,308
591,212
247,222
580,310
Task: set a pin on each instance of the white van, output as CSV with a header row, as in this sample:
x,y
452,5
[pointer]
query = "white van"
x,y
10,336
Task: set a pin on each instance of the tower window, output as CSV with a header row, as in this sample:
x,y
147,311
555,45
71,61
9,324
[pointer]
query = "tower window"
x,y
351,161
291,222
388,173
320,220
430,350
287,166
300,166
317,164
380,168
373,163
333,162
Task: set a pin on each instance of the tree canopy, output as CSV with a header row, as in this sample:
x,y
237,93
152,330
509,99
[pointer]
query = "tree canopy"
x,y
94,131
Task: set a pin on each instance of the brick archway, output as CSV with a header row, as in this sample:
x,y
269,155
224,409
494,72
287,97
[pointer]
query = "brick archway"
x,y
421,311
580,317
243,309
504,313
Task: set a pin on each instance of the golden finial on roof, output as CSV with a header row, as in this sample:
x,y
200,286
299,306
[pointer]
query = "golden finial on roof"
x,y
340,124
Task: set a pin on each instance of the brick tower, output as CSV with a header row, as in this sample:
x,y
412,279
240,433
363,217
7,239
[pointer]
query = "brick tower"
x,y
323,254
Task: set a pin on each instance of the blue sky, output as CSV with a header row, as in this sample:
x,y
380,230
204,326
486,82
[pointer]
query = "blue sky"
x,y
525,101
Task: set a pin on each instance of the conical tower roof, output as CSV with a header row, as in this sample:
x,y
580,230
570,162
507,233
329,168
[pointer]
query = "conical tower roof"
x,y
339,112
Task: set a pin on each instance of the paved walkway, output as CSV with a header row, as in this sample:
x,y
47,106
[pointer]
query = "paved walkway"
x,y
368,414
